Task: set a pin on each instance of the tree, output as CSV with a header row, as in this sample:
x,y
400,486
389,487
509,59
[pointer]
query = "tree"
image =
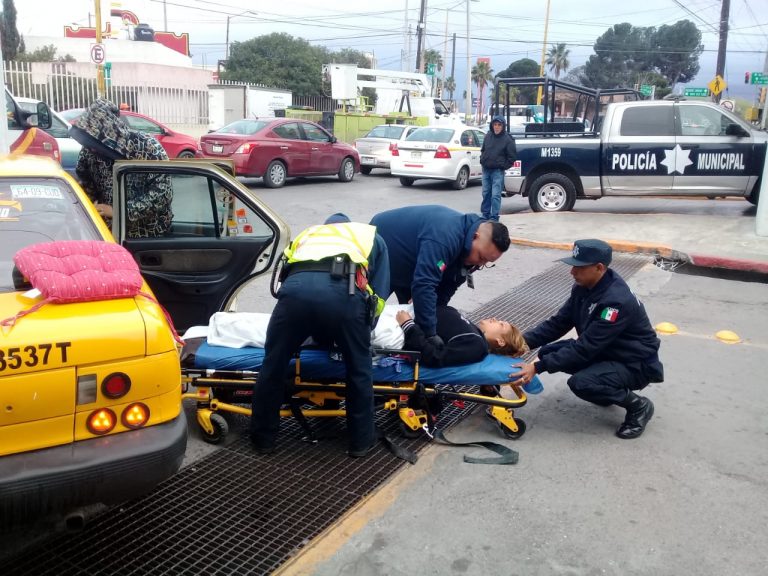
x,y
523,68
44,54
481,76
557,59
10,34
677,49
450,85
432,56
278,60
575,76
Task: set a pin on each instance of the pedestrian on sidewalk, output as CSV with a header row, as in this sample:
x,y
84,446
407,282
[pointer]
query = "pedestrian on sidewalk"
x,y
616,349
497,154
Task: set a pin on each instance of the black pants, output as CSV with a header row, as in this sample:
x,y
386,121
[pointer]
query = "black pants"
x,y
602,383
315,304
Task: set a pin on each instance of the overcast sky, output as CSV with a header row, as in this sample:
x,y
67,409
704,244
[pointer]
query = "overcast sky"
x,y
504,30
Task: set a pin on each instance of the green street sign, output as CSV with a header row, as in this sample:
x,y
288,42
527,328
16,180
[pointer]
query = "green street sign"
x,y
759,78
696,92
431,69
646,90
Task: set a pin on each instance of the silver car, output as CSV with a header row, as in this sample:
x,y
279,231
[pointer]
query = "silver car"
x,y
375,148
69,148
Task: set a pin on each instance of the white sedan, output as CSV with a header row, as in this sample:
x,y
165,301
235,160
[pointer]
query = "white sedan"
x,y
439,153
375,148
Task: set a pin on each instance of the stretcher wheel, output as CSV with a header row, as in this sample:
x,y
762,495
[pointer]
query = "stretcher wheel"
x,y
220,429
509,433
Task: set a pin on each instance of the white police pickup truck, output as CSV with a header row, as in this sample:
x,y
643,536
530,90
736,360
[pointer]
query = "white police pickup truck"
x,y
643,148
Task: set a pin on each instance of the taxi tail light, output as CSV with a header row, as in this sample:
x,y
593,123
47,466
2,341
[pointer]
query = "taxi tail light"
x,y
101,421
394,150
247,147
116,385
135,415
442,152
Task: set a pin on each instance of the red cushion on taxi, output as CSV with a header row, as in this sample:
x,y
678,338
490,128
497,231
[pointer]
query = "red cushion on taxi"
x,y
79,270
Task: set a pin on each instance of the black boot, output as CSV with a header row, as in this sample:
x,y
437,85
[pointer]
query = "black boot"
x,y
639,413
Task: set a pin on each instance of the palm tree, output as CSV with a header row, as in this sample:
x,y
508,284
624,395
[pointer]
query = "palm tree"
x,y
432,56
481,75
557,59
450,85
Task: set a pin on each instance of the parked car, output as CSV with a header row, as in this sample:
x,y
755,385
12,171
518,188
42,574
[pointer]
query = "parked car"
x,y
176,144
279,148
92,407
439,153
26,130
375,148
69,148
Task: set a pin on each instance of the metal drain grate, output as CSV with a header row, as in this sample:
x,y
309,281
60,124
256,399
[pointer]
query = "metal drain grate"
x,y
235,512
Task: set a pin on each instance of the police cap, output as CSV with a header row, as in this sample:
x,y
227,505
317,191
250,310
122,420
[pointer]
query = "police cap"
x,y
590,251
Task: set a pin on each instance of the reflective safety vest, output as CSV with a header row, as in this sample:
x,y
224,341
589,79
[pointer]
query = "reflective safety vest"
x,y
326,240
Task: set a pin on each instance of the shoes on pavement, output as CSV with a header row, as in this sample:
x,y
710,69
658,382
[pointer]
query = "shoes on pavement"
x,y
639,413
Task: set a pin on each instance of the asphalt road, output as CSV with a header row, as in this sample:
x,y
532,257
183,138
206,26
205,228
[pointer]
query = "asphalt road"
x,y
688,498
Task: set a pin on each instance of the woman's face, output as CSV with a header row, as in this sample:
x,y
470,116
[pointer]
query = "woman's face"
x,y
495,330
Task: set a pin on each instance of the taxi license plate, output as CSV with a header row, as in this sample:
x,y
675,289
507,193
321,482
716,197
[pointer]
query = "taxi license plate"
x,y
415,155
218,149
367,160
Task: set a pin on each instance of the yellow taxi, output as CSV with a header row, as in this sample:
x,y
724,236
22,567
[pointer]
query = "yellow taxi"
x,y
90,392
440,152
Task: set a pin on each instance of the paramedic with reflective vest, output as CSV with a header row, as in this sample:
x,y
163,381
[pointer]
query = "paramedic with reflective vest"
x,y
616,352
331,276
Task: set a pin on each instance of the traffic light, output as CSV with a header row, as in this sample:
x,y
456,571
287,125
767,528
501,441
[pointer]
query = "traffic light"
x,y
746,77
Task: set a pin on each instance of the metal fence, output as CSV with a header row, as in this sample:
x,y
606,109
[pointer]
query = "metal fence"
x,y
66,85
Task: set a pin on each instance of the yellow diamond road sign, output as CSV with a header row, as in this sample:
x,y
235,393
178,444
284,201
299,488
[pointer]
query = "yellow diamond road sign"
x,y
717,85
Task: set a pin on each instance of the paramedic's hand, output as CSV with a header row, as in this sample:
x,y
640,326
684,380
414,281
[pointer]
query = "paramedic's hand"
x,y
437,342
104,210
524,375
402,317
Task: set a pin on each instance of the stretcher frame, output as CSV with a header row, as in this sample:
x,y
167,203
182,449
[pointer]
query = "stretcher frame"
x,y
321,399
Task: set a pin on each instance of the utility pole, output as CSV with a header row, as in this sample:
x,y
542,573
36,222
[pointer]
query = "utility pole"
x,y
101,87
468,102
420,27
5,143
543,54
404,60
721,49
165,18
445,55
226,51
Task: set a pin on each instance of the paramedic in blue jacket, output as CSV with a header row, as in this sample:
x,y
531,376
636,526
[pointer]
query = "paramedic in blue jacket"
x,y
616,351
325,295
497,154
432,251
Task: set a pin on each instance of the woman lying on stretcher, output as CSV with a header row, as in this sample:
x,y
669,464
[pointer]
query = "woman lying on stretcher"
x,y
464,342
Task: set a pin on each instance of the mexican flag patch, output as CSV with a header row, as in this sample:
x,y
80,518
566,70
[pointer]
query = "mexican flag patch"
x,y
441,265
610,314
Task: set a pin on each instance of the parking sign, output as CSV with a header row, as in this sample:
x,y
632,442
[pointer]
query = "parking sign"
x,y
98,55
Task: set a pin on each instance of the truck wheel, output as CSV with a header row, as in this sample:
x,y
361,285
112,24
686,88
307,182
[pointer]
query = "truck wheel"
x,y
275,175
406,181
462,179
552,193
365,170
347,170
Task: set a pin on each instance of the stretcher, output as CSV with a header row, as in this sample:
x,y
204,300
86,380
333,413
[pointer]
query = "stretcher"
x,y
223,380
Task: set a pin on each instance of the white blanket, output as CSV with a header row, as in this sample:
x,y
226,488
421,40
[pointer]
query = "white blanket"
x,y
241,329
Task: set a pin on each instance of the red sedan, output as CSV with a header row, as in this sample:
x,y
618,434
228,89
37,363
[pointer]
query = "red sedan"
x,y
276,149
176,144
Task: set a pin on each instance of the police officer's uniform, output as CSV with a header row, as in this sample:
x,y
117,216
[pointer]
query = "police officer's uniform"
x,y
616,351
324,295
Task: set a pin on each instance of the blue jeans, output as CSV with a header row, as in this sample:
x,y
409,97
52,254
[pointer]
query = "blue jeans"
x,y
493,182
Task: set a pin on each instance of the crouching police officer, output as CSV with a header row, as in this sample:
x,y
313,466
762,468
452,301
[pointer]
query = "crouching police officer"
x,y
332,273
616,351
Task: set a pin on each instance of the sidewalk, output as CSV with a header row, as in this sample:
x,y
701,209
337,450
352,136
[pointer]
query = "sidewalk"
x,y
720,242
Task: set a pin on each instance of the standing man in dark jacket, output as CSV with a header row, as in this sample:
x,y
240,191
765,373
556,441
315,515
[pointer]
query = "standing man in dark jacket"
x,y
432,251
497,154
616,351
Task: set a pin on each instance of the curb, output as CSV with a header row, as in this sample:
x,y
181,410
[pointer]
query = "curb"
x,y
662,251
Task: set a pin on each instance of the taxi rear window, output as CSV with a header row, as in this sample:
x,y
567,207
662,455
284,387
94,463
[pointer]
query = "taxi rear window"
x,y
431,135
34,210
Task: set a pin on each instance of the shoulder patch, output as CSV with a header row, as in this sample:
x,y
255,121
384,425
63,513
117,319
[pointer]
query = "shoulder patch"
x,y
610,314
441,265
